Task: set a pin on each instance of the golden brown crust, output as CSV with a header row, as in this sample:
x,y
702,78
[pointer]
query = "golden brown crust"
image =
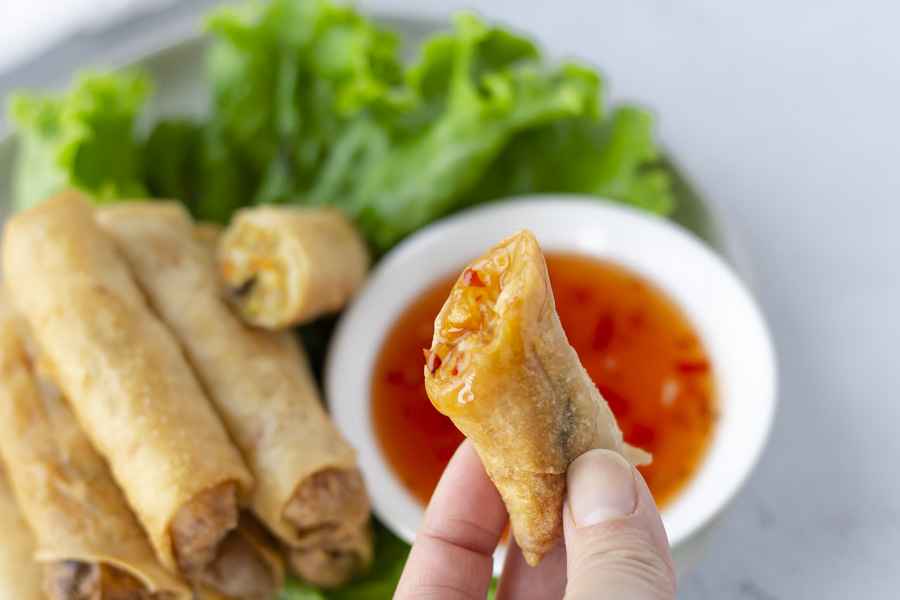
x,y
258,381
78,514
124,373
20,576
501,368
283,266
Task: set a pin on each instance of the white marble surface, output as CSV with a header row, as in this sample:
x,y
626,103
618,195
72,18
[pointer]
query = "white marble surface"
x,y
786,113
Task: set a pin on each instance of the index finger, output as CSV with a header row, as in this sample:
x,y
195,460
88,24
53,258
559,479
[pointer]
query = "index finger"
x,y
452,556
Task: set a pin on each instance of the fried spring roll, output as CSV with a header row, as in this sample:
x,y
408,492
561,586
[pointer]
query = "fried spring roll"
x,y
127,381
308,488
87,537
337,560
501,368
20,576
284,266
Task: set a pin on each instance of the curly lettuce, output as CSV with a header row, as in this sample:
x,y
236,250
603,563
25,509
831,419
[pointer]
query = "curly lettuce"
x,y
82,138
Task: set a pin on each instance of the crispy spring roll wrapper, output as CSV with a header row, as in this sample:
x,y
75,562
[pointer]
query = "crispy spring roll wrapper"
x,y
127,381
501,368
335,561
284,266
87,537
20,576
250,552
308,487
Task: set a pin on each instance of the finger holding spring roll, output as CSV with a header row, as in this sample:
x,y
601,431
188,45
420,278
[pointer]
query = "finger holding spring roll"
x,y
501,368
284,266
127,381
87,538
308,488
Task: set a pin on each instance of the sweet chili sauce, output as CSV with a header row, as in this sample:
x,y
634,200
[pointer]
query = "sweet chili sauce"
x,y
639,349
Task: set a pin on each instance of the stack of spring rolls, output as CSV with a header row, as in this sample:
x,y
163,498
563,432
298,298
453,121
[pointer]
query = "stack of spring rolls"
x,y
158,446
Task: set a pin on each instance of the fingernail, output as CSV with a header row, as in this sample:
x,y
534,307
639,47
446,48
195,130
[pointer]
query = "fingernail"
x,y
601,488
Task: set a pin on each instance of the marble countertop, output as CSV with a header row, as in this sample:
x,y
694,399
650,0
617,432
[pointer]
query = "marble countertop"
x,y
785,114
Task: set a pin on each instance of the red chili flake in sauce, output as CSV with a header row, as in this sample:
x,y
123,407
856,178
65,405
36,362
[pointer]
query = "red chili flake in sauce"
x,y
693,367
470,277
603,333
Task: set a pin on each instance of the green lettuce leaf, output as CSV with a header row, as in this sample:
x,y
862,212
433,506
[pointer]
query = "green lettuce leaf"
x,y
475,90
616,159
82,138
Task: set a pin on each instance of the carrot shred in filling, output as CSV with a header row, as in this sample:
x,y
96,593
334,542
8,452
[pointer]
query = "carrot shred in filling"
x,y
471,312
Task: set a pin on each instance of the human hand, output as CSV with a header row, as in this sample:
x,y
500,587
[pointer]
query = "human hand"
x,y
615,544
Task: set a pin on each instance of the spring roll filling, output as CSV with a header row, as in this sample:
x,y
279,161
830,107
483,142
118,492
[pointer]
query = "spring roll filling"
x,y
471,321
254,272
199,527
75,580
336,561
328,501
239,572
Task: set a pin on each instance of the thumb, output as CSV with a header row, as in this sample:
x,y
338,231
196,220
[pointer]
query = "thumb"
x,y
615,541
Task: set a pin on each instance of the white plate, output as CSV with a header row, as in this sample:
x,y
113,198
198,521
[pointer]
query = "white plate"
x,y
174,59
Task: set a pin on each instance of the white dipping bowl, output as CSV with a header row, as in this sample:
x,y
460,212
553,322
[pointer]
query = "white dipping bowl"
x,y
705,288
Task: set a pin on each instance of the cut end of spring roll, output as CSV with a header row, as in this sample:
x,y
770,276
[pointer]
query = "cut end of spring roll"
x,y
284,266
201,525
247,566
501,368
74,580
327,502
337,561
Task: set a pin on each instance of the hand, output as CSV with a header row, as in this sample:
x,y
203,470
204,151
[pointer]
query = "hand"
x,y
615,544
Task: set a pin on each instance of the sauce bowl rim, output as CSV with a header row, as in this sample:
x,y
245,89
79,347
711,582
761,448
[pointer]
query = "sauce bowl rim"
x,y
698,280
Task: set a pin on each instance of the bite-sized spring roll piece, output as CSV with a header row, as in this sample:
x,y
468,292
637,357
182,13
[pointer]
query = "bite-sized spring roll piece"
x,y
250,552
127,381
335,561
308,487
501,368
87,537
284,266
20,576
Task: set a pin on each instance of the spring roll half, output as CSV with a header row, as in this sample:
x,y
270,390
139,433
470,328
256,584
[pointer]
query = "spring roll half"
x,y
87,538
284,266
20,576
128,382
501,368
308,488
